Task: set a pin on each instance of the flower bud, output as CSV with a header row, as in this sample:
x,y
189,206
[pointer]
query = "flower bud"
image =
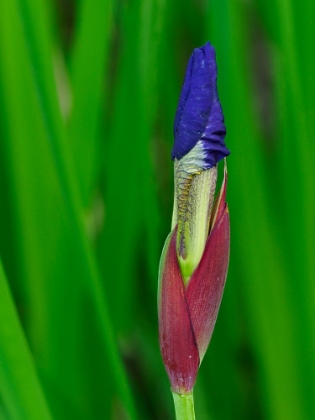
x,y
194,260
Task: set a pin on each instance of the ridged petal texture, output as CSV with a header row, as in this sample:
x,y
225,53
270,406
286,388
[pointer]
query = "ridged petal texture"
x,y
199,114
187,315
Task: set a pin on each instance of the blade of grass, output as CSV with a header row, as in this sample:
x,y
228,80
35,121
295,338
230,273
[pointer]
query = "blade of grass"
x,y
295,107
294,82
20,389
88,63
26,94
128,170
264,274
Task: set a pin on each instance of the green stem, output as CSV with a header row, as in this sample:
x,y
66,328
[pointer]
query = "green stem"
x,y
184,406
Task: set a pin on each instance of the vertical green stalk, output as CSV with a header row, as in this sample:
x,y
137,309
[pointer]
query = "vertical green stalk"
x,y
30,98
20,388
94,22
184,406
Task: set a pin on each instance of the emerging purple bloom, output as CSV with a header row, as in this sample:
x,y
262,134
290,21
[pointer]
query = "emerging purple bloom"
x,y
199,116
194,262
187,313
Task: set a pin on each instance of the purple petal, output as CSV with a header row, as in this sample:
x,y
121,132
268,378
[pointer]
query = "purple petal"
x,y
199,114
184,93
177,341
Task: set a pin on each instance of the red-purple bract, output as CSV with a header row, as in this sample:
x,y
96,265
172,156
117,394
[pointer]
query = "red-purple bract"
x,y
187,315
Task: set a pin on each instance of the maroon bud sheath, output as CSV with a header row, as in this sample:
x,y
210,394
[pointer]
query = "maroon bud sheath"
x,y
187,315
177,341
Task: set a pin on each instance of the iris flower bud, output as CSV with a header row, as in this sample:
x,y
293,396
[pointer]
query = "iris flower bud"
x,y
194,260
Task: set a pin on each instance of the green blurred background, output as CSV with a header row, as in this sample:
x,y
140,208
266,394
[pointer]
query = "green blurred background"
x,y
88,92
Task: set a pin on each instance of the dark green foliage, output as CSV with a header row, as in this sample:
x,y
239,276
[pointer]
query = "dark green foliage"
x,y
86,202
